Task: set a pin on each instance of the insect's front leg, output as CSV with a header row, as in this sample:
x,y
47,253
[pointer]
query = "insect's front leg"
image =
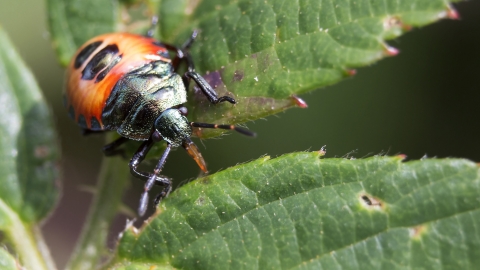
x,y
138,157
151,178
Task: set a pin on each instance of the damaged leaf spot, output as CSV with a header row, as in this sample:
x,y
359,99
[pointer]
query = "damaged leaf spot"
x,y
391,22
416,232
237,76
200,201
371,202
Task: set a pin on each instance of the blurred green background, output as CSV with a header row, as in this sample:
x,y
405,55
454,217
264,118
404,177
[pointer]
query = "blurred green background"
x,y
424,102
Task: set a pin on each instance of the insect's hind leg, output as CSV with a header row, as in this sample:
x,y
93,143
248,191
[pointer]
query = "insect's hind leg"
x,y
111,149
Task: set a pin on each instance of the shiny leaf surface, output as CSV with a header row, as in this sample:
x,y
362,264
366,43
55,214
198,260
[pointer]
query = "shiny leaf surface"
x,y
299,211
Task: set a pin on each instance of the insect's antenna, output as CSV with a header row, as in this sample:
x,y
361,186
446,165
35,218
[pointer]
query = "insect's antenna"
x,y
230,127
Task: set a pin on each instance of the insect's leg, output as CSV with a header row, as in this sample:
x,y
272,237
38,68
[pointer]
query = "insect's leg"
x,y
199,80
186,55
162,195
190,41
182,52
138,157
153,26
151,181
111,148
207,89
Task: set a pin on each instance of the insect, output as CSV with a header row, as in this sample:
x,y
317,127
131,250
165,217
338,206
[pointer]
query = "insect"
x,y
128,83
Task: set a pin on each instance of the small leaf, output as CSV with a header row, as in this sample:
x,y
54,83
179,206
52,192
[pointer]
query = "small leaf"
x,y
7,262
263,52
300,211
28,144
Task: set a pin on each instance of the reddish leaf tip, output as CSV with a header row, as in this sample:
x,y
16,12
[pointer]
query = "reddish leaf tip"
x,y
452,14
407,27
299,102
391,51
350,72
402,156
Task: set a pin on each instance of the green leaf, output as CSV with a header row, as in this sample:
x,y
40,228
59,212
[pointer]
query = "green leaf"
x,y
74,22
28,145
264,52
7,262
28,158
300,211
261,52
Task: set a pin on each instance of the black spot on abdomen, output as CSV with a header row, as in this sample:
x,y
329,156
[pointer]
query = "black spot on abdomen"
x,y
107,69
106,59
85,53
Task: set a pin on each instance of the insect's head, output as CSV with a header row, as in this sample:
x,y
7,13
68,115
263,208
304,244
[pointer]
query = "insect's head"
x,y
173,127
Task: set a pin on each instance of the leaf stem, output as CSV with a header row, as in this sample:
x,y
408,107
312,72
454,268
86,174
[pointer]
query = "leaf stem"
x,y
113,179
43,248
27,242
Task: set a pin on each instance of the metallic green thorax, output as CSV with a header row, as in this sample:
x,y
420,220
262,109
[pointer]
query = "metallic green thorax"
x,y
140,97
173,126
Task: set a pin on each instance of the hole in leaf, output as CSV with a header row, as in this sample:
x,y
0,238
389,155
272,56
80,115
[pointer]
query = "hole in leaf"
x,y
371,202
